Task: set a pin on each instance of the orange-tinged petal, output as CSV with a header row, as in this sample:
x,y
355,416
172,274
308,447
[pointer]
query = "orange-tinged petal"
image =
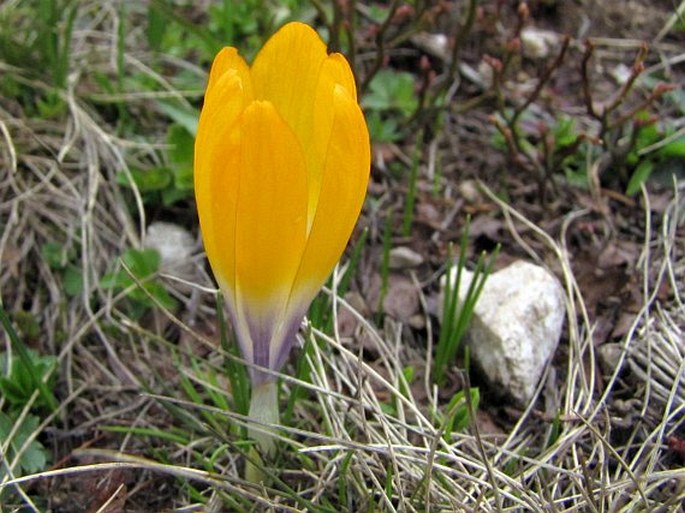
x,y
345,178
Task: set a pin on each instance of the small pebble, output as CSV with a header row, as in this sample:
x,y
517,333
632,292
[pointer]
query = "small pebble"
x,y
403,257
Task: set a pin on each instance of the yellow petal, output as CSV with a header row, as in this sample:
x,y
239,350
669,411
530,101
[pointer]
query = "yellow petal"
x,y
339,68
286,73
252,201
345,178
271,217
294,72
226,60
216,176
281,168
335,71
272,206
229,90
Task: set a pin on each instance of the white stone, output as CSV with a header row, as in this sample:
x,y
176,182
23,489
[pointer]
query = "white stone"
x,y
403,257
515,327
438,45
538,43
174,243
621,73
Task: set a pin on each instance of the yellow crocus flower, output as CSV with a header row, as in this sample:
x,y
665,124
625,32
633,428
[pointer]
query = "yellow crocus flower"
x,y
282,163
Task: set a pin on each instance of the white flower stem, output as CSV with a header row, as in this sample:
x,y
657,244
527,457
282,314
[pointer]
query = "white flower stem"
x,y
263,410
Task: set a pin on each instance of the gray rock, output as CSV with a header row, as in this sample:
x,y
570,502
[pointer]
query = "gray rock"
x,y
516,326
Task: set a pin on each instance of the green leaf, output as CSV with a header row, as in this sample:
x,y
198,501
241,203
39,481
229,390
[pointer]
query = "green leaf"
x,y
457,312
54,254
180,114
35,370
13,390
181,142
109,281
171,196
237,373
156,27
565,131
391,90
181,156
377,13
576,177
157,291
142,262
674,149
19,382
457,417
648,135
34,458
383,129
73,281
168,12
148,180
140,266
640,176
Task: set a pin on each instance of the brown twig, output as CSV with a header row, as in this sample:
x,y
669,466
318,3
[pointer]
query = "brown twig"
x,y
462,33
380,46
635,71
655,95
544,79
585,79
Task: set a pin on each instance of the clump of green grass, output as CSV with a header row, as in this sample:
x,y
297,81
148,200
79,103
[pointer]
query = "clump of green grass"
x,y
456,312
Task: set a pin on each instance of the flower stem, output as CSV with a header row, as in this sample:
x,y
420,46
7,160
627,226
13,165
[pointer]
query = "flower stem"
x,y
263,410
